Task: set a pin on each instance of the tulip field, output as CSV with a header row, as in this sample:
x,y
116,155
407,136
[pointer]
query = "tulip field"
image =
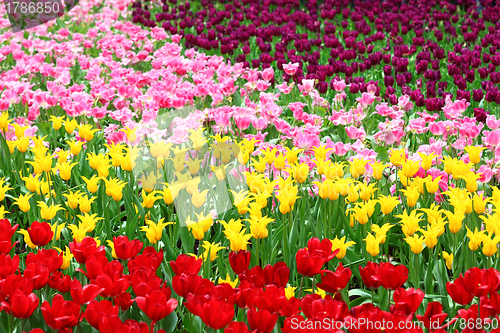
x,y
245,166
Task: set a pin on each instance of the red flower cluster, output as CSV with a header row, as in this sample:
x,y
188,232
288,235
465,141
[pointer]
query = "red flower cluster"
x,y
261,291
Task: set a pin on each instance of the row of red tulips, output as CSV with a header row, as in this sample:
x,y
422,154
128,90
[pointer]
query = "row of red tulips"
x,y
106,288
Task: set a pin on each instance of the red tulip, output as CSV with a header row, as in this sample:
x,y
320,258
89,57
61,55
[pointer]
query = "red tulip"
x,y
148,258
392,277
269,299
186,264
457,291
237,327
277,274
20,304
156,305
481,282
261,321
13,283
85,249
244,295
126,249
39,275
289,307
409,300
368,274
62,314
86,294
6,233
206,307
112,280
7,230
97,310
123,300
186,283
332,282
143,287
433,316
50,258
8,265
315,307
254,276
309,264
239,261
59,282
6,246
94,264
113,324
324,247
40,233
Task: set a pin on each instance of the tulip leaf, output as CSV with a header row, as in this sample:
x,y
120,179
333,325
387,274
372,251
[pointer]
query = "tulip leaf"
x,y
169,322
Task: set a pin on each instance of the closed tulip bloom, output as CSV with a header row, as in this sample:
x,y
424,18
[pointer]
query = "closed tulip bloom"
x,y
474,153
70,125
156,305
475,238
431,236
378,169
448,257
427,160
490,245
381,231
21,304
239,261
62,314
75,146
22,144
126,249
479,203
261,321
412,194
238,240
471,181
373,244
99,309
392,277
258,226
455,220
67,256
65,170
186,264
369,275
366,191
416,243
432,185
40,233
408,300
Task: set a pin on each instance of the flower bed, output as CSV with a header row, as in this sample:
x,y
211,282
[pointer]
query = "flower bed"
x,y
424,49
146,186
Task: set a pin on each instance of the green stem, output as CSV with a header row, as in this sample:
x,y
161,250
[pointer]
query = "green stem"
x,y
389,301
301,285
